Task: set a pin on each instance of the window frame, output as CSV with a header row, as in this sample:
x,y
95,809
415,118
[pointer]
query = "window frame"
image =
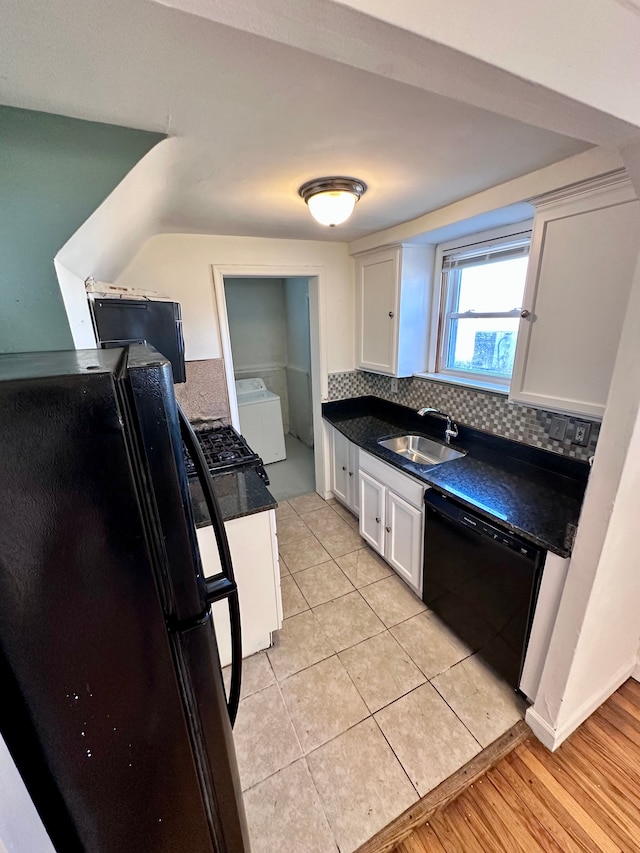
x,y
444,294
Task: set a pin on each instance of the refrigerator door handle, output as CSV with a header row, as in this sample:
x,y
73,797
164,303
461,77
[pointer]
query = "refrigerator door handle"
x,y
219,588
223,585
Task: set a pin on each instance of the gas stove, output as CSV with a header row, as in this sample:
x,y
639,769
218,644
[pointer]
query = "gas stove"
x,y
225,450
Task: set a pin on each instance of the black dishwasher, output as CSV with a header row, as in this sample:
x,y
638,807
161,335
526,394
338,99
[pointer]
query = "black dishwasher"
x,y
481,581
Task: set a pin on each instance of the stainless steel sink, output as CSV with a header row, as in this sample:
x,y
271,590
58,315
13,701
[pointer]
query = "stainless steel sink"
x,y
420,450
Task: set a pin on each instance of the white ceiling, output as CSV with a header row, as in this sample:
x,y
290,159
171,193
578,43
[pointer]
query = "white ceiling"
x,y
255,118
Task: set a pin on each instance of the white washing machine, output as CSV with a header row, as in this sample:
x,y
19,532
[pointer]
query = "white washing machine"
x,y
261,419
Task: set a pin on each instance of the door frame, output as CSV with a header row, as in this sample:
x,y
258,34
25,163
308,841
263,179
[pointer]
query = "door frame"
x,y
317,342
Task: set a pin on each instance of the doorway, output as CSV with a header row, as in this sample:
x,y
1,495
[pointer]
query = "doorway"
x,y
268,321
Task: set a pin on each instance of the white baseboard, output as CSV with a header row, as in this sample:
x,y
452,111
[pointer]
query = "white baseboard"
x,y
636,671
552,738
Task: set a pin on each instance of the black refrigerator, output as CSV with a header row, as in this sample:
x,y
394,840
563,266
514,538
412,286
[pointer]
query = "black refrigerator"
x,y
112,698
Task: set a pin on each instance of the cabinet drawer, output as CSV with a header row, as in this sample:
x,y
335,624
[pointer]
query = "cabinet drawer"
x,y
408,488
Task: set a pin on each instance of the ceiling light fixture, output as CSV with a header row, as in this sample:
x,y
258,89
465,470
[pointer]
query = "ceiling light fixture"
x,y
331,200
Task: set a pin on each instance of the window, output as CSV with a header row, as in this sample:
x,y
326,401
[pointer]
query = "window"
x,y
481,300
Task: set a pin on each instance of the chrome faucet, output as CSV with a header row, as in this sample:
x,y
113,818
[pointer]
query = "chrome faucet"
x,y
452,429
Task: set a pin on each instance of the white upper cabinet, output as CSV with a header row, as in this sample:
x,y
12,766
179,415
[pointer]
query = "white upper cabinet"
x,y
392,299
584,252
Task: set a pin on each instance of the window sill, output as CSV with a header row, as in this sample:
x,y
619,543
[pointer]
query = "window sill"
x,y
474,384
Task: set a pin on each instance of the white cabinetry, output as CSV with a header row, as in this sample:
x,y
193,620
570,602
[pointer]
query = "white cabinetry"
x,y
584,251
372,505
392,299
392,517
254,553
544,619
344,470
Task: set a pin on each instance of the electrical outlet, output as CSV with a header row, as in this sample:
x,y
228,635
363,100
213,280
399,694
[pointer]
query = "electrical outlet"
x,y
394,385
558,428
582,433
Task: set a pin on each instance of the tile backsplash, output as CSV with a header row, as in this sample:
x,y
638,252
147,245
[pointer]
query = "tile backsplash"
x,y
204,395
479,409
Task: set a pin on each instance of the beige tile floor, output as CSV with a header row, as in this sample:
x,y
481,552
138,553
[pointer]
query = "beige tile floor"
x,y
365,702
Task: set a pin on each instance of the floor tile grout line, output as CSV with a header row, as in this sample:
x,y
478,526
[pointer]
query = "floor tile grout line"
x,y
321,801
370,608
311,606
289,763
435,675
393,750
293,725
371,715
435,687
300,757
336,652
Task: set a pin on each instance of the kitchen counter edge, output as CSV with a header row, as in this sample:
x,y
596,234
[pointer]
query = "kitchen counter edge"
x,y
239,493
480,471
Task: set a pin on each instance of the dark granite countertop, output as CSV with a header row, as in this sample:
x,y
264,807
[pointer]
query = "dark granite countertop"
x,y
239,493
529,491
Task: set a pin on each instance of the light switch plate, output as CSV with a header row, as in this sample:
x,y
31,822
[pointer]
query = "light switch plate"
x,y
558,428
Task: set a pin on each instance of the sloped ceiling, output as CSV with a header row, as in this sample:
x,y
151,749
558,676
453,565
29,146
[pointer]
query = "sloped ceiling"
x,y
253,118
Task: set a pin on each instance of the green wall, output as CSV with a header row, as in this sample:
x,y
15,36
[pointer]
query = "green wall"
x,y
54,172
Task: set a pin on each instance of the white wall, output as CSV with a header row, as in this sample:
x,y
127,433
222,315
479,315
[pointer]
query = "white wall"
x,y
595,642
21,830
296,292
180,266
497,206
258,330
296,296
111,236
257,321
581,48
568,66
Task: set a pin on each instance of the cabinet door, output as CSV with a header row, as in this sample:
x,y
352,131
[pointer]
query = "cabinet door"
x,y
354,478
377,303
403,529
254,551
372,506
340,466
583,256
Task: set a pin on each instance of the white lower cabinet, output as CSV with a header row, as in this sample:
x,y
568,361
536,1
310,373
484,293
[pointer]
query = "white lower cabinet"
x,y
404,527
344,471
254,553
372,512
392,517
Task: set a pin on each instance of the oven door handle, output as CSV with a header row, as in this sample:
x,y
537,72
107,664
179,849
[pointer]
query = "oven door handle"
x,y
223,585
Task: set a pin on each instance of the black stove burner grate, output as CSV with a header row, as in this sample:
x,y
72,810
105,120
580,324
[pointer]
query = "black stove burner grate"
x,y
224,449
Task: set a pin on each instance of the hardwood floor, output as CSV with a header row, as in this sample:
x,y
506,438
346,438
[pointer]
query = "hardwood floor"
x,y
584,797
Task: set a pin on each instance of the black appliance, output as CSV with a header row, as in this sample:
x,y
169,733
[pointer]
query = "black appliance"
x,y
225,450
113,704
482,581
120,322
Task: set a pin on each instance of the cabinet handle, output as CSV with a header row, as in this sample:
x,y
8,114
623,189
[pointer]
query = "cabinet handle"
x,y
525,314
377,521
388,529
344,467
351,473
391,313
